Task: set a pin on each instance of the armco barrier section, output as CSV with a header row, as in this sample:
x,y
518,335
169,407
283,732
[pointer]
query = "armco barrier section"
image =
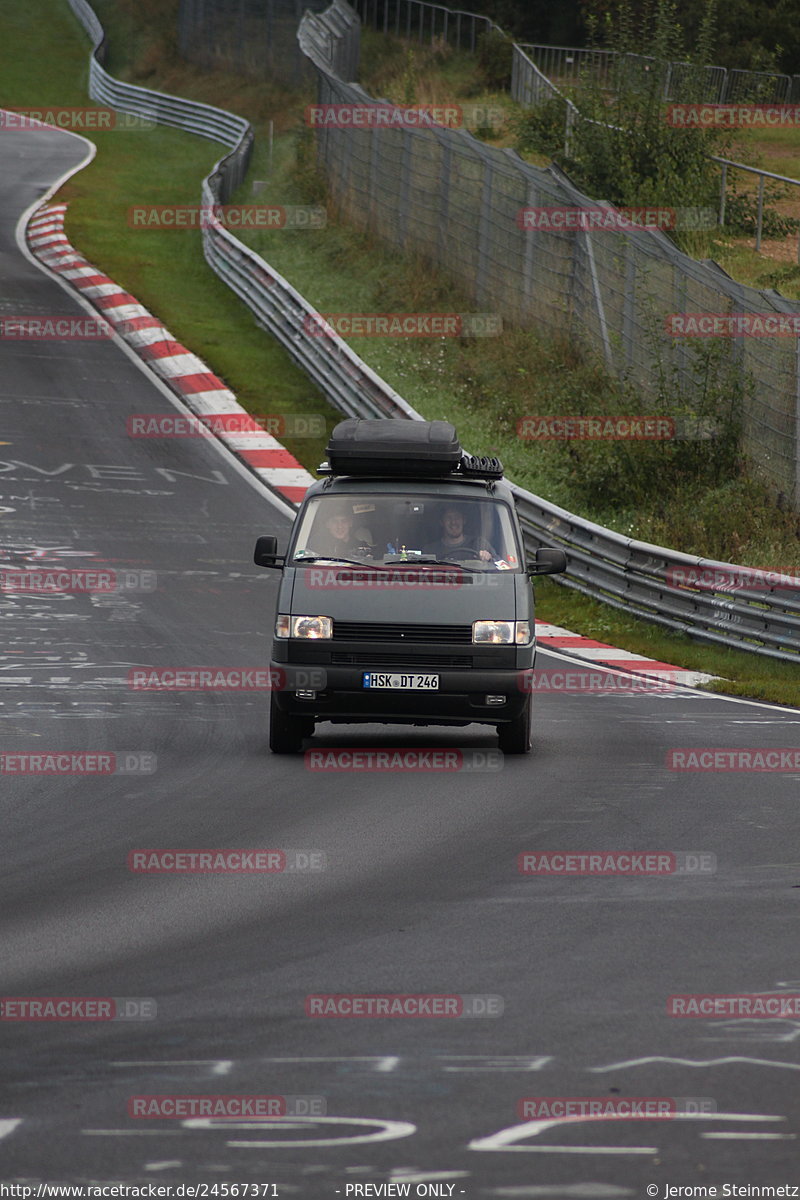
x,y
628,574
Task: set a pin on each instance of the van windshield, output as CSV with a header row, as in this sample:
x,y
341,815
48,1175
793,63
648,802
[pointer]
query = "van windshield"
x,y
384,530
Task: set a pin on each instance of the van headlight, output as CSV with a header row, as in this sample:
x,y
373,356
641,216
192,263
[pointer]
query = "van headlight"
x,y
313,628
501,633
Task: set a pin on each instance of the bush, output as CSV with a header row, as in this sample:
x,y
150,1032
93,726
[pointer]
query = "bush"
x,y
741,216
541,129
495,55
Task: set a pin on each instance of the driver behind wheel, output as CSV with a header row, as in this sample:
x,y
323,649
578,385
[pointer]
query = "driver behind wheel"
x,y
454,539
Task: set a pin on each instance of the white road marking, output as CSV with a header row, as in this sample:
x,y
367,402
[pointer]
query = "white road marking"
x,y
398,1175
504,1139
166,1165
381,1131
693,1062
755,1029
8,1125
386,1062
131,1132
219,1066
743,1137
486,1062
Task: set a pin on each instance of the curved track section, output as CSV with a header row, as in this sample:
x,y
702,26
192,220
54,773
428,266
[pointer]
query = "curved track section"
x,y
421,891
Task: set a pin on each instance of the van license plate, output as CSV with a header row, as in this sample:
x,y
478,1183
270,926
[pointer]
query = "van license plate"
x,y
413,683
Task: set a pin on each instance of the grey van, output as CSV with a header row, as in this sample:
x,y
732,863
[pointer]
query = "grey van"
x,y
405,595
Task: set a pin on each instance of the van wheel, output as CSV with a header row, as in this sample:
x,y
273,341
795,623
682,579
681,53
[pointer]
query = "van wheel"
x,y
515,736
286,733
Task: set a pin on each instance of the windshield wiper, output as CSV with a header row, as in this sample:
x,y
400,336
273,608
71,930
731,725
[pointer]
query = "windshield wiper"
x,y
446,562
334,558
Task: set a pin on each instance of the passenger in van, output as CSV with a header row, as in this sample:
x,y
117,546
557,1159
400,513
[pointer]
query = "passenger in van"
x,y
454,536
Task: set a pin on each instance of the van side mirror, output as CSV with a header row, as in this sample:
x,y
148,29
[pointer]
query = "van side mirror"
x,y
549,561
266,552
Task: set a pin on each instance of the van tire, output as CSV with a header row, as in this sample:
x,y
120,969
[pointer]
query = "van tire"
x,y
286,733
515,736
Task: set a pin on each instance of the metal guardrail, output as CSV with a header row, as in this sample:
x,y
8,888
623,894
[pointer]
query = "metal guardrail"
x,y
681,80
627,574
422,20
762,175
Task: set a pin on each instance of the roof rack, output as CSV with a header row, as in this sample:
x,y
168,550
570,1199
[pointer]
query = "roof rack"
x,y
401,449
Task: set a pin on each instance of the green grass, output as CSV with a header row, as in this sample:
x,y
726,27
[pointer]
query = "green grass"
x,y
164,269
484,385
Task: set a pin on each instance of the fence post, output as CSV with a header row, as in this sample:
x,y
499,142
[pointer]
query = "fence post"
x,y
760,212
444,191
568,129
405,185
484,231
629,302
722,193
598,300
797,423
529,253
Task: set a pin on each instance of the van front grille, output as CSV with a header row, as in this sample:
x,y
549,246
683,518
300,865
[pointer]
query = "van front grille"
x,y
369,631
344,658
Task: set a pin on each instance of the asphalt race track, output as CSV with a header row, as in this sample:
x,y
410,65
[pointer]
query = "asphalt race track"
x,y
420,891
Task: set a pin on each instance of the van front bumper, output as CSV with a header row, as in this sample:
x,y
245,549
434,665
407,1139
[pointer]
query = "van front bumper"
x,y
460,697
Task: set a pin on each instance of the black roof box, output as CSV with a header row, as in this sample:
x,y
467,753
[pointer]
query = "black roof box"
x,y
400,448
